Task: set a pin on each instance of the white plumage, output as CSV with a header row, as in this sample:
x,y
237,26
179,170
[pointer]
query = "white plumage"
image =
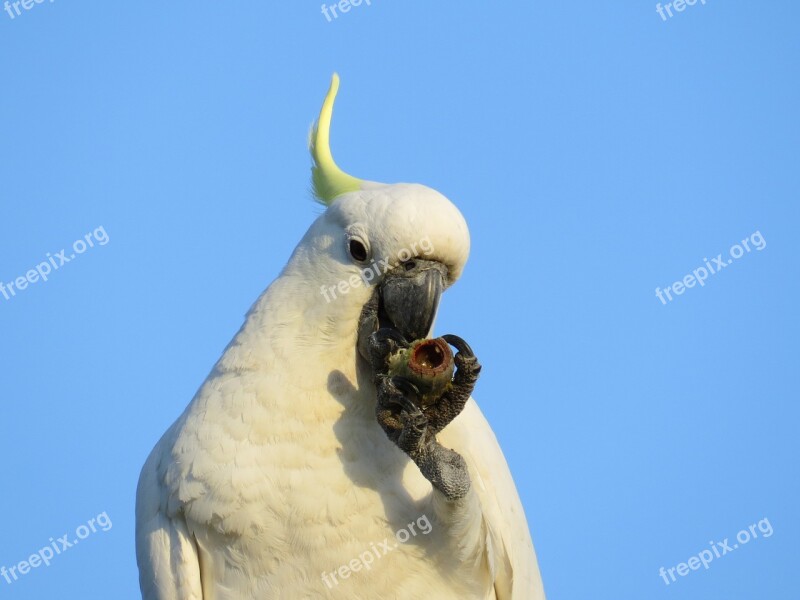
x,y
278,473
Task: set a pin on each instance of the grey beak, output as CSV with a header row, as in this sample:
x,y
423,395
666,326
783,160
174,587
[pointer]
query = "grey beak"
x,y
410,295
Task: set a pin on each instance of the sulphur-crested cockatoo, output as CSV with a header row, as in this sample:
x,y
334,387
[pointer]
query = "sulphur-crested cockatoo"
x,y
290,476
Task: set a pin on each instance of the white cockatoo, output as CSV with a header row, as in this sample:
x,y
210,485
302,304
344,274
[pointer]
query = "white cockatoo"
x,y
299,470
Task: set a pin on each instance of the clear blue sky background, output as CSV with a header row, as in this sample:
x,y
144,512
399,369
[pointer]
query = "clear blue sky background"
x,y
597,153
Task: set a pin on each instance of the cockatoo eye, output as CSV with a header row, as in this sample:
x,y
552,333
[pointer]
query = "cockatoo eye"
x,y
358,250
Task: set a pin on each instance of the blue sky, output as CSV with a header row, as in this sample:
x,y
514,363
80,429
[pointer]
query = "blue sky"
x,y
597,151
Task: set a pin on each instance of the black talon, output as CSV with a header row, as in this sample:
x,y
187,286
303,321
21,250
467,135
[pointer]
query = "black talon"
x,y
405,386
408,389
404,403
459,344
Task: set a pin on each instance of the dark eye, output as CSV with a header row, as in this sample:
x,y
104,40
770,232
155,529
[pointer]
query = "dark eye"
x,y
358,250
408,265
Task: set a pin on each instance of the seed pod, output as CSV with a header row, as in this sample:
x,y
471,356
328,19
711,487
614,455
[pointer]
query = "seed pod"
x,y
428,364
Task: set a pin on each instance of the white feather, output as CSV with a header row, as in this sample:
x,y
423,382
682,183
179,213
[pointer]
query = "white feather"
x,y
277,473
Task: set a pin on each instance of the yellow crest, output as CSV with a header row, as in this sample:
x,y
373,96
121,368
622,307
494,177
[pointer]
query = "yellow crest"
x,y
327,179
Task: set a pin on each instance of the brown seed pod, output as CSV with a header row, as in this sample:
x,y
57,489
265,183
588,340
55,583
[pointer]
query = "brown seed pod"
x,y
428,364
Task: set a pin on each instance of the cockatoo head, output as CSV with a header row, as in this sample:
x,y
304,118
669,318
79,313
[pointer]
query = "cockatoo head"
x,y
393,247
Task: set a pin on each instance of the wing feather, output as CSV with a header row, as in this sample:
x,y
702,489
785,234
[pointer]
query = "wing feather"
x,y
511,553
169,566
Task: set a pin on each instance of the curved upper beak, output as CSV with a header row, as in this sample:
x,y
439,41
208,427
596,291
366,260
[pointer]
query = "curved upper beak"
x,y
410,295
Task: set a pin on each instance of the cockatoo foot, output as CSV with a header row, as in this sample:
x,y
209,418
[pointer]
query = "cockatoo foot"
x,y
399,414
